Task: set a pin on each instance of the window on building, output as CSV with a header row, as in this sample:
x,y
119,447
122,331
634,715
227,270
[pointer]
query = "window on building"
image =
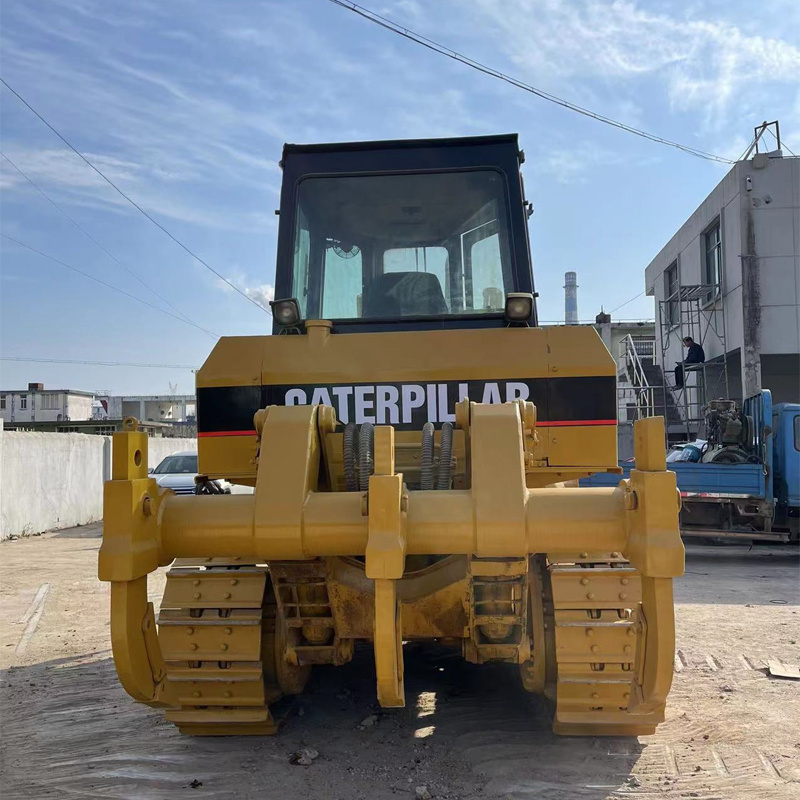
x,y
671,293
2,402
50,402
23,402
712,275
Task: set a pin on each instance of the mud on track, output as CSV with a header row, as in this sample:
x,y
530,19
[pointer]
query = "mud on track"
x,y
68,729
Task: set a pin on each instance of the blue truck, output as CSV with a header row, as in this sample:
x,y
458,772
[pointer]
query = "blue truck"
x,y
744,480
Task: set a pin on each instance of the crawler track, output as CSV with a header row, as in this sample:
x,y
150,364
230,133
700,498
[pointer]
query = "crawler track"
x,y
594,642
217,635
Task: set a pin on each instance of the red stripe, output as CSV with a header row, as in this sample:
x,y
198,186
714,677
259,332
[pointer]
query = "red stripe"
x,y
561,423
202,434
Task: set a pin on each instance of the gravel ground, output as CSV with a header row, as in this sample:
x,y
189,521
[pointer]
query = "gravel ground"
x,y
69,730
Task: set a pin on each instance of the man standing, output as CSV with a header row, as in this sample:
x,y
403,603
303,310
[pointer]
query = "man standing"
x,y
696,355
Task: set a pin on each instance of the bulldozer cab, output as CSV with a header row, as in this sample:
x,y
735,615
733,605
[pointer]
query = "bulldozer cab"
x,y
417,234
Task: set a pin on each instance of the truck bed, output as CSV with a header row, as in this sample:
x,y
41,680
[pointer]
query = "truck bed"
x,y
710,480
734,486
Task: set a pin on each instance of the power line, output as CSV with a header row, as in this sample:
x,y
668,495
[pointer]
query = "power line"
x,y
92,239
783,144
96,280
400,30
131,201
95,363
626,302
111,256
747,149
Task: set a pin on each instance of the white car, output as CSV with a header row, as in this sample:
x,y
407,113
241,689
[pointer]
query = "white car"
x,y
178,471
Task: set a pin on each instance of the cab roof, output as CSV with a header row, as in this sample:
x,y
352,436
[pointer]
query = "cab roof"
x,y
400,144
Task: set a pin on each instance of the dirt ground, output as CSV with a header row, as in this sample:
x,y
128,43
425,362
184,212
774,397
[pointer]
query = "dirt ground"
x,y
467,732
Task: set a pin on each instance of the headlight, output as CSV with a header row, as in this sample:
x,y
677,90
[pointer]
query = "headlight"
x,y
519,307
285,312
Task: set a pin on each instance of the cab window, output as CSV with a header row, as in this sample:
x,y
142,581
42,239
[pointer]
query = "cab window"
x,y
408,245
341,295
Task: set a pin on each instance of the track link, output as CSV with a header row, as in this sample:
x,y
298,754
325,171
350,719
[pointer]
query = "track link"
x,y
589,658
217,636
599,632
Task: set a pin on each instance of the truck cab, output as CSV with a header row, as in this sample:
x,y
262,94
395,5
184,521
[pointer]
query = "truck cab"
x,y
786,471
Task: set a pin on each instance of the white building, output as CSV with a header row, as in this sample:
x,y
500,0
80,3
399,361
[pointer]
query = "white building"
x,y
730,278
153,407
37,404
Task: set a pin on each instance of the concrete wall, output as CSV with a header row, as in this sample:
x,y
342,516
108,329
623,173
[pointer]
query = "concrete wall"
x,y
55,480
779,374
158,449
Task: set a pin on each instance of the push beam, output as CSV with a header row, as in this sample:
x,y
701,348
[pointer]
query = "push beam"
x,y
437,523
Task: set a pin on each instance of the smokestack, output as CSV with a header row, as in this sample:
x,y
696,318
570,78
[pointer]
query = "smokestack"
x,y
571,298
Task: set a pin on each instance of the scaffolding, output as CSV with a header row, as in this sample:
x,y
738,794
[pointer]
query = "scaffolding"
x,y
699,312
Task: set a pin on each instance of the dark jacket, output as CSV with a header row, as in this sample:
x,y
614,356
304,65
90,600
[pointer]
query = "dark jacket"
x,y
696,355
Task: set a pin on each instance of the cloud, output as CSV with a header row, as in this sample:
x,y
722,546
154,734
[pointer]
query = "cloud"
x,y
570,165
9,177
68,180
62,167
261,294
173,135
702,64
409,10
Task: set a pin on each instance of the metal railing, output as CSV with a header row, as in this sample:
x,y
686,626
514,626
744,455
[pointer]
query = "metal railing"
x,y
639,391
645,346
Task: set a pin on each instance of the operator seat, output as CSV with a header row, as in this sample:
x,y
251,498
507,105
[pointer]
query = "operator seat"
x,y
403,294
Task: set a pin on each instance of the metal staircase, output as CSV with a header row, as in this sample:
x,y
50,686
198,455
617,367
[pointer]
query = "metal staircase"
x,y
637,394
642,389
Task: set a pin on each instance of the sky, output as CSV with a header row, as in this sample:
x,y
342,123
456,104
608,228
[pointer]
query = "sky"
x,y
186,106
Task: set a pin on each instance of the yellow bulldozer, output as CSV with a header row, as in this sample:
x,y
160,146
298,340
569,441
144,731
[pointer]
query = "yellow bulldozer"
x,y
414,441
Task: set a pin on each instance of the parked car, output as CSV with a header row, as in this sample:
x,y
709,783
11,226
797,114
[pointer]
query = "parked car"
x,y
178,471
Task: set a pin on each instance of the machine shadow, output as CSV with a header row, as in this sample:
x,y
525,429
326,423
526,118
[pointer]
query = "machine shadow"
x,y
483,716
75,730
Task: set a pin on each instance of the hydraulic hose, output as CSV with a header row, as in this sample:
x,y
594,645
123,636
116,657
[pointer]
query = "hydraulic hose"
x,y
446,457
426,463
350,456
366,455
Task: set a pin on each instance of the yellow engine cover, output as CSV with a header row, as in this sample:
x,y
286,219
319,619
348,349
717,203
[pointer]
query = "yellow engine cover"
x,y
407,378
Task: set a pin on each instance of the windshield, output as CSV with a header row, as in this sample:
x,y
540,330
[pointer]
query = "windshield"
x,y
177,464
388,246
